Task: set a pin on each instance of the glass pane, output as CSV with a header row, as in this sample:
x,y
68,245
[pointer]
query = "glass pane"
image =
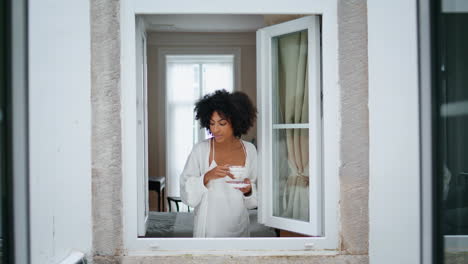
x,y
182,91
290,79
291,173
182,84
451,118
218,76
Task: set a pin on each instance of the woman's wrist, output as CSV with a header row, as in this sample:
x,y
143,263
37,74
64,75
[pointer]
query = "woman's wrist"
x,y
206,178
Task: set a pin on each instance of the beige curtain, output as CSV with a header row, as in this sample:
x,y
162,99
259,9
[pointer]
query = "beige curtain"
x,y
294,103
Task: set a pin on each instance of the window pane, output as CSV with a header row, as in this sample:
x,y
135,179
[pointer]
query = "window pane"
x,y
291,173
182,85
218,76
289,78
452,142
182,91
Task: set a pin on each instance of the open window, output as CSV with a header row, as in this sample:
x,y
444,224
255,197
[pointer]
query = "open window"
x,y
290,126
297,181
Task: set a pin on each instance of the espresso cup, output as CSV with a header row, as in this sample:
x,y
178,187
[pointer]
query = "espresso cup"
x,y
238,172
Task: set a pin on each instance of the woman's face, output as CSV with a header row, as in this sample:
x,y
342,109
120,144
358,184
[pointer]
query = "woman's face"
x,y
220,128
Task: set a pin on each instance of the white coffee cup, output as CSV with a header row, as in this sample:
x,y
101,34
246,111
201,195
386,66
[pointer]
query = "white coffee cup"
x,y
238,172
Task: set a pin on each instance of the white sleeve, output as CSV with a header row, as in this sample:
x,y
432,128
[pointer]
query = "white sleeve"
x,y
192,188
250,201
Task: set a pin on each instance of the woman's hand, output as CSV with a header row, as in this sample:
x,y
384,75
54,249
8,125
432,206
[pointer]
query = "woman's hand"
x,y
247,189
217,173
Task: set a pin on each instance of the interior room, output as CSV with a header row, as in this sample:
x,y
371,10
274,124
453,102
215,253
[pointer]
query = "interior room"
x,y
187,57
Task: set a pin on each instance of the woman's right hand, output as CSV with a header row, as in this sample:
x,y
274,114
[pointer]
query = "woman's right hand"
x,y
217,173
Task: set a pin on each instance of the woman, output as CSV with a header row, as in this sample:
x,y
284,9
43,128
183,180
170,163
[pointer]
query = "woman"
x,y
206,182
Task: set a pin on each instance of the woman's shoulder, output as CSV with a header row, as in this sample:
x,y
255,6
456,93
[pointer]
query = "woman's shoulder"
x,y
249,146
201,146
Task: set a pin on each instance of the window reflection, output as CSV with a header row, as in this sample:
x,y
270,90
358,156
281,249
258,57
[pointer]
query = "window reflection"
x,y
451,145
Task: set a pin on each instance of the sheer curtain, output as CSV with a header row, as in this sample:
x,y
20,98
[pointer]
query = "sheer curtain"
x,y
181,93
216,76
188,77
294,101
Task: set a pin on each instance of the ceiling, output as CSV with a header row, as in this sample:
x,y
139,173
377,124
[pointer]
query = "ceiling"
x,y
204,23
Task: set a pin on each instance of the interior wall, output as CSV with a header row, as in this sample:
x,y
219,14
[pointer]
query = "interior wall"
x,y
156,95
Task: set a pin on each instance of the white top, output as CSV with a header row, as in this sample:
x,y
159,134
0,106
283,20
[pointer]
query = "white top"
x,y
220,209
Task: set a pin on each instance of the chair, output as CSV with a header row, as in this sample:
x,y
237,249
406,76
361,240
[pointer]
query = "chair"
x,y
176,200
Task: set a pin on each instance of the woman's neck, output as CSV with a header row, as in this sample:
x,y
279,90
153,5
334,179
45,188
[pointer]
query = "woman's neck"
x,y
229,142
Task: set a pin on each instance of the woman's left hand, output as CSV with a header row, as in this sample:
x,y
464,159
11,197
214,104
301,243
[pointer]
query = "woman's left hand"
x,y
247,189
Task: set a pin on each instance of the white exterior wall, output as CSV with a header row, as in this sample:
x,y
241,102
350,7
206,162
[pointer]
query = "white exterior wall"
x,y
60,129
394,195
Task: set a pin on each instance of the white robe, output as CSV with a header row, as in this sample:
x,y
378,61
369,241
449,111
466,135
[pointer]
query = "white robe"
x,y
232,214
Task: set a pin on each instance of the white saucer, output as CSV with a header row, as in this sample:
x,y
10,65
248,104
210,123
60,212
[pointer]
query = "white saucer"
x,y
238,185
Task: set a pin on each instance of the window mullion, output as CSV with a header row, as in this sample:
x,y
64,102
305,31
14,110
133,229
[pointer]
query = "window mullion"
x,y
290,126
201,89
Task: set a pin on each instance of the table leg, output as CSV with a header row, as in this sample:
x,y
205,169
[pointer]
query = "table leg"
x,y
159,201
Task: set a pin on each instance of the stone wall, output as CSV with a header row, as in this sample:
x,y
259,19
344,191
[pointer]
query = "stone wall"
x,y
106,128
107,150
354,141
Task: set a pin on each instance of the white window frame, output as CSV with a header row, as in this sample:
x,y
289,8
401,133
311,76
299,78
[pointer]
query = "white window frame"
x,y
142,127
265,142
326,245
163,52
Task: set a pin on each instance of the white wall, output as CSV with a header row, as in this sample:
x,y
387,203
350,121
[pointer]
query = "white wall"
x,y
60,129
394,198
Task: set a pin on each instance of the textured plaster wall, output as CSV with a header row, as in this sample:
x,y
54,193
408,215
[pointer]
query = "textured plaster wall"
x,y
354,142
106,140
106,128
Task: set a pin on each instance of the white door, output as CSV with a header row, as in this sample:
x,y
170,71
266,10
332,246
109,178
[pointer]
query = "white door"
x,y
290,126
142,130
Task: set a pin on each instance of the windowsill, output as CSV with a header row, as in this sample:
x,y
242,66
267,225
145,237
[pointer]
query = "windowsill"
x,y
235,253
258,246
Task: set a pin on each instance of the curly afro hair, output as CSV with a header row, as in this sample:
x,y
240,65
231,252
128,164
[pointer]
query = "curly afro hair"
x,y
235,107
